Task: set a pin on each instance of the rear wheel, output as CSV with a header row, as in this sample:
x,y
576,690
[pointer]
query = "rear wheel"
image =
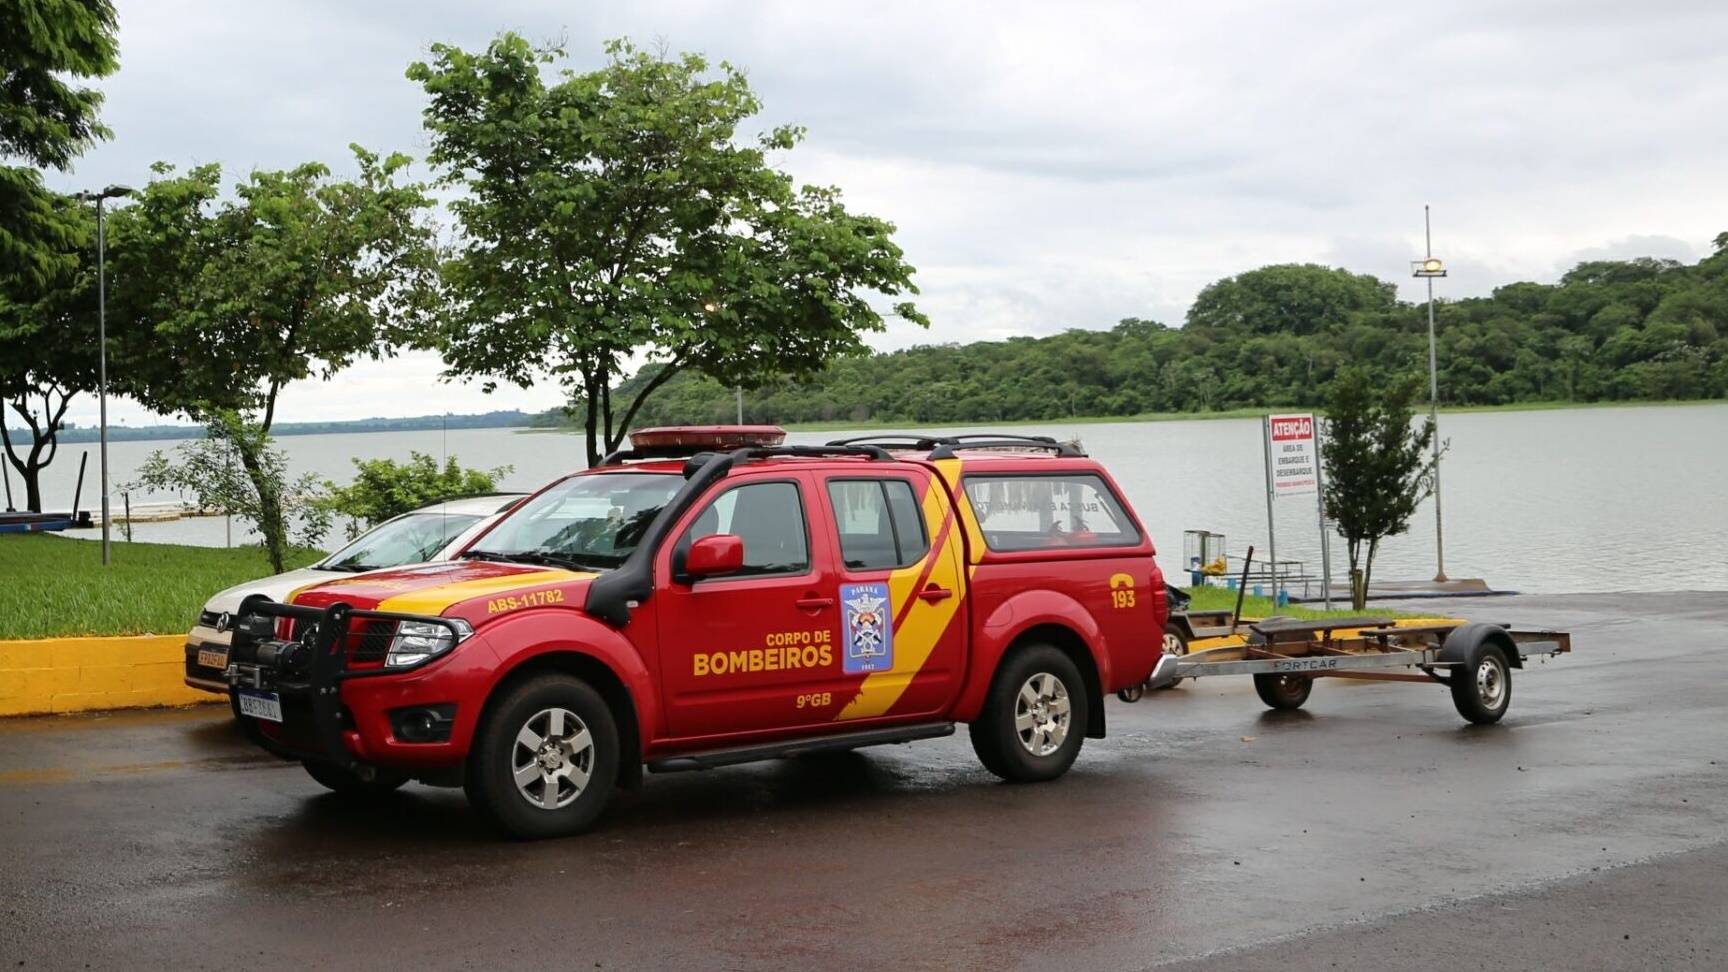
x,y
1035,717
1482,689
365,782
546,759
1175,643
1283,692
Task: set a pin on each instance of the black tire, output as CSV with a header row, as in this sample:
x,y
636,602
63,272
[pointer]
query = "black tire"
x,y
1175,643
1285,693
576,800
372,782
1482,688
1001,746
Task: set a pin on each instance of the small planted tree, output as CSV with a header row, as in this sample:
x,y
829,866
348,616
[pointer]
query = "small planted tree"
x,y
210,471
383,488
1378,465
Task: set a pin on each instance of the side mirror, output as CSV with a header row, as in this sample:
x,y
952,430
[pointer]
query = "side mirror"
x,y
714,556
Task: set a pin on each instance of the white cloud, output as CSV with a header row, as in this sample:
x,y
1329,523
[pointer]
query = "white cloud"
x,y
1052,165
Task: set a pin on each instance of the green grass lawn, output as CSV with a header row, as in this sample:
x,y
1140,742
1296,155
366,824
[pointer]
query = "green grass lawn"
x,y
1223,599
56,586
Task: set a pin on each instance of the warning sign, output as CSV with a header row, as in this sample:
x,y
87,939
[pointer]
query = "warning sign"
x,y
1290,444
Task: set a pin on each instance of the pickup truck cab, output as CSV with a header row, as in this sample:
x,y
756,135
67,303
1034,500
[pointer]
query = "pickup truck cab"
x,y
710,597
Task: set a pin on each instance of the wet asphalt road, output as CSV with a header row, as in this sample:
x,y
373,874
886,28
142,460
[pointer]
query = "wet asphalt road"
x,y
1372,830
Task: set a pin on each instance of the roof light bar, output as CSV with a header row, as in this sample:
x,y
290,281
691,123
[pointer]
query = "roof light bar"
x,y
722,438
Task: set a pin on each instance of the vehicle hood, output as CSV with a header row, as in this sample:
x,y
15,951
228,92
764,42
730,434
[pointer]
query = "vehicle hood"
x,y
276,588
444,588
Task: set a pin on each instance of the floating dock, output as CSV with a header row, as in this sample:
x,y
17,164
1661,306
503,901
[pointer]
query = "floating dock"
x,y
1410,590
23,521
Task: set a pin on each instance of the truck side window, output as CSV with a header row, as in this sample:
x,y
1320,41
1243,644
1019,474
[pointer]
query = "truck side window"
x,y
879,523
1028,512
769,518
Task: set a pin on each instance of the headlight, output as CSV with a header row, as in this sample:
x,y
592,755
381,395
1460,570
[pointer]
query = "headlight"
x,y
417,641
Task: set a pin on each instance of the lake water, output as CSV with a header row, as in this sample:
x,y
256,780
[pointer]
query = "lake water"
x,y
1596,499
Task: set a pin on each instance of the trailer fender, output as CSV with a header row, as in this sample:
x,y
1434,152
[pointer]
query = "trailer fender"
x,y
1463,645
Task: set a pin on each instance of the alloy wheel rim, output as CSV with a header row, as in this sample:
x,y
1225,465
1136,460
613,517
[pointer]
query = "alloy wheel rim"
x,y
1172,644
1042,712
552,758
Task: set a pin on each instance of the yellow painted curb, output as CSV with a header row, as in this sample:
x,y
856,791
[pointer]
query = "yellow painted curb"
x,y
56,675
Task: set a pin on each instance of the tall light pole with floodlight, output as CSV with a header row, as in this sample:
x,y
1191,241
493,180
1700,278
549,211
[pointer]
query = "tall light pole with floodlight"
x,y
102,339
1428,268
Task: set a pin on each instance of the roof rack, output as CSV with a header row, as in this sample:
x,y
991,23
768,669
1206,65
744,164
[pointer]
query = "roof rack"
x,y
946,450
944,446
895,441
874,453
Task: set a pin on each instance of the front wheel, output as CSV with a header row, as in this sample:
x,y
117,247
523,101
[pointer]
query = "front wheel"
x,y
546,759
1035,717
1482,690
1283,692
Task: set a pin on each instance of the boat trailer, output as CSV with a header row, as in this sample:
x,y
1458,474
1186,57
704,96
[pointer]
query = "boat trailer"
x,y
1285,656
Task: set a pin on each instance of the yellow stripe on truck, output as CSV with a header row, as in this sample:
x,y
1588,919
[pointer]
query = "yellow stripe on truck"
x,y
436,600
924,622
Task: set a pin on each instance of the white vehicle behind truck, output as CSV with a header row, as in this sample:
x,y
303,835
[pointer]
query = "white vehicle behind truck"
x,y
431,533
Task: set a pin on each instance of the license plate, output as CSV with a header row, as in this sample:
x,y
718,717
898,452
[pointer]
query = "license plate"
x,y
261,705
216,658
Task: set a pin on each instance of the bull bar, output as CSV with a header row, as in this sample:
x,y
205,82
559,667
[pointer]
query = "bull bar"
x,y
312,663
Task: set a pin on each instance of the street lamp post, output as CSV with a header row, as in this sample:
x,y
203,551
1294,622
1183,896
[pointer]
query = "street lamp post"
x,y
102,341
1428,268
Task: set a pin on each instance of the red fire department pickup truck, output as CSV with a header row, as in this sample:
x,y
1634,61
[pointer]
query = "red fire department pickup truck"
x,y
710,597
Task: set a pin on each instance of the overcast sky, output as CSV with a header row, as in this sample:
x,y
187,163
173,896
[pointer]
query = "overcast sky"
x,y
1049,165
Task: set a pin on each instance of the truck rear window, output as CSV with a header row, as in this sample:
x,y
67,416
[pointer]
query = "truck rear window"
x,y
1031,512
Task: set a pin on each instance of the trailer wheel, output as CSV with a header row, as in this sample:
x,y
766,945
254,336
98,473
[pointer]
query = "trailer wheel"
x,y
1175,643
545,761
1482,687
1283,692
1034,718
370,783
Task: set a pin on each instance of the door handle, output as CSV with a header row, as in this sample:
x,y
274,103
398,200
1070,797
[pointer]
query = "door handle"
x,y
932,594
814,603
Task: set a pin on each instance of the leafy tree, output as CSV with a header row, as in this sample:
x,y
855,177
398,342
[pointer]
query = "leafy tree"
x,y
46,120
1378,468
384,488
1289,298
296,277
615,215
215,472
48,348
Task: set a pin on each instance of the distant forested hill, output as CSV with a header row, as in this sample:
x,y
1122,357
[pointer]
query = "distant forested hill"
x,y
1642,329
488,420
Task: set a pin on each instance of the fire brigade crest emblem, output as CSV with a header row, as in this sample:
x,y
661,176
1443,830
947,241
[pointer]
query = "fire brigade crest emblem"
x,y
869,631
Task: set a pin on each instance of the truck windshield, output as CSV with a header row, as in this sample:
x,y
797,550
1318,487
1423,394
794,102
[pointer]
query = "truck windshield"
x,y
411,539
584,521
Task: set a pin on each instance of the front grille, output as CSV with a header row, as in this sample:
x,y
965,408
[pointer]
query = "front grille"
x,y
371,642
367,643
208,618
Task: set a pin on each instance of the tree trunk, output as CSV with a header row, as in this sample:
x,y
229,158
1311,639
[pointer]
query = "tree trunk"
x,y
43,437
1368,572
270,520
593,426
1358,593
